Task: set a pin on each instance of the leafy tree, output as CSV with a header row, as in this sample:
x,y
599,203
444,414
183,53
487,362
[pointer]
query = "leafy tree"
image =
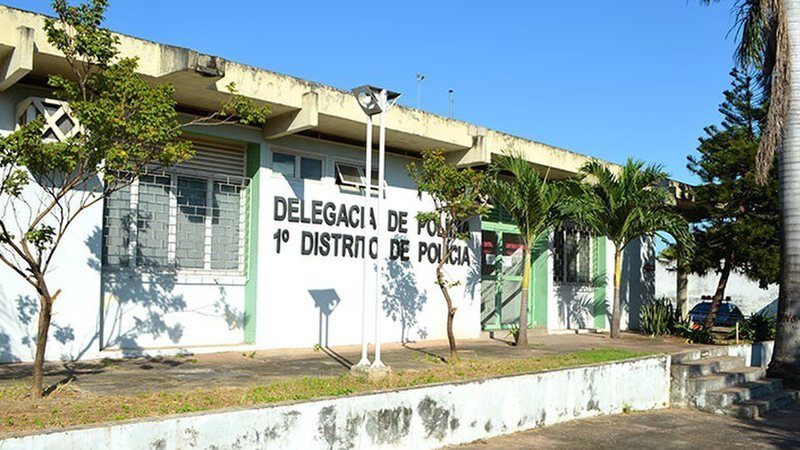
x,y
128,127
456,195
768,31
625,206
535,204
738,226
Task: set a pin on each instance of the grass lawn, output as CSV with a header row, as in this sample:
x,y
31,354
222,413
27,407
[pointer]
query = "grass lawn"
x,y
67,407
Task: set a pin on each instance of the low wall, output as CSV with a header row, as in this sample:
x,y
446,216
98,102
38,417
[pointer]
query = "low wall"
x,y
758,354
761,353
426,417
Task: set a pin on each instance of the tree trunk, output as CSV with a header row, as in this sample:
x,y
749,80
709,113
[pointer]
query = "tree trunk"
x,y
451,338
522,336
719,294
682,288
45,313
786,357
451,312
616,305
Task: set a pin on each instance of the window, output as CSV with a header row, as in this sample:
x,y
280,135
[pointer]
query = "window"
x,y
183,219
572,255
488,252
291,165
283,164
354,175
513,251
182,222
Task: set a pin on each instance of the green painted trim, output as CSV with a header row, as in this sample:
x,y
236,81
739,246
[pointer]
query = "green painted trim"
x,y
189,134
599,281
251,248
539,279
501,227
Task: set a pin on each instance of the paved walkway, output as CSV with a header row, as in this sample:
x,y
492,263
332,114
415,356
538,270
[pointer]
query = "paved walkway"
x,y
139,375
665,429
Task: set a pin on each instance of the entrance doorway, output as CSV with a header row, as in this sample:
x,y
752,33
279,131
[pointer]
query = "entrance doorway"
x,y
502,268
501,278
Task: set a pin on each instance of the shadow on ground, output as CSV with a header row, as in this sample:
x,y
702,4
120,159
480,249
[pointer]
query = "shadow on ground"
x,y
242,369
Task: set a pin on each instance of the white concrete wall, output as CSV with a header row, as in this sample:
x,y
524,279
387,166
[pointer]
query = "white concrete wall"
x,y
150,312
307,300
575,305
427,417
74,328
114,315
744,293
572,304
638,280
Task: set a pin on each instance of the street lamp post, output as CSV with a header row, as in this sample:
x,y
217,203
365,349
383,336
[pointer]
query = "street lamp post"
x,y
364,362
374,100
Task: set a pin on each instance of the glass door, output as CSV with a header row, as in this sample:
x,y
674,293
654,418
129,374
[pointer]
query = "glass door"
x,y
502,267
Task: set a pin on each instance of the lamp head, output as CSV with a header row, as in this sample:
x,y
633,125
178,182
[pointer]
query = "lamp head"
x,y
370,99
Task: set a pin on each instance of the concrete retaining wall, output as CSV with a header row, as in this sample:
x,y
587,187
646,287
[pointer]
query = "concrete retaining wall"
x,y
426,417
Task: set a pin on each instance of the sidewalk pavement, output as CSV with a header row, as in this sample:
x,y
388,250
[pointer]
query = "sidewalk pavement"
x,y
664,429
243,369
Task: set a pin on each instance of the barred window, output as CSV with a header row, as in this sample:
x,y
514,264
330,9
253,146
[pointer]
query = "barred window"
x,y
183,222
572,255
185,219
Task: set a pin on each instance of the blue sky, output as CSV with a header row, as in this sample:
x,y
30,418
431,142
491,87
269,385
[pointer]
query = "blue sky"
x,y
610,79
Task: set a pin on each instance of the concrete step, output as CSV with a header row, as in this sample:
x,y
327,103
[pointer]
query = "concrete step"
x,y
706,366
709,351
697,387
720,399
762,406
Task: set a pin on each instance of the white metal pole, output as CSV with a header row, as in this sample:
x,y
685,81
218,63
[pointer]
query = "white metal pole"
x,y
367,236
380,222
420,79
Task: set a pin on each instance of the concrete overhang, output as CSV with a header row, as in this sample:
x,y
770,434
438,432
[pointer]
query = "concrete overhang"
x,y
16,56
297,105
682,193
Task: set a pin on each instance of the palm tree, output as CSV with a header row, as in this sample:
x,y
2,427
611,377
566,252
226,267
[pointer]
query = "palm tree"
x,y
623,207
769,32
534,203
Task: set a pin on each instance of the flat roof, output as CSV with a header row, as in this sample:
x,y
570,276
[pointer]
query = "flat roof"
x,y
299,106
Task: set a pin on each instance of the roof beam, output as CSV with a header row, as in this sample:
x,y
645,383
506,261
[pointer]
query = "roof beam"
x,y
20,62
305,118
476,155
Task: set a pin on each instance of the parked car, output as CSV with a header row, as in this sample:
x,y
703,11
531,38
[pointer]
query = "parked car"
x,y
727,316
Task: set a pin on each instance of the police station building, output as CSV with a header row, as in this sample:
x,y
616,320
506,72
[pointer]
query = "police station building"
x,y
258,241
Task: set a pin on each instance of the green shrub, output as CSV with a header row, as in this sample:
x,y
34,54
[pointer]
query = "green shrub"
x,y
756,328
513,331
657,317
696,334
